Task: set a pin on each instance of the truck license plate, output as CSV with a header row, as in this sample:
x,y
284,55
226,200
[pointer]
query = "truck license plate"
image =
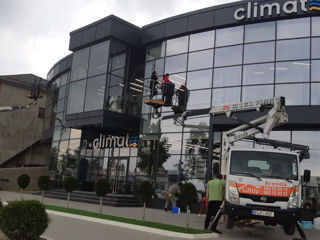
x,y
262,213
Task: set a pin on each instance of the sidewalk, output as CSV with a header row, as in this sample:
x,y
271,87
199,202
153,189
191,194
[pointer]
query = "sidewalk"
x,y
152,215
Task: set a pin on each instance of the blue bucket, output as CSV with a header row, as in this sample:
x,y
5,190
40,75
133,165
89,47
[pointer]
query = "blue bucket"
x,y
176,210
306,224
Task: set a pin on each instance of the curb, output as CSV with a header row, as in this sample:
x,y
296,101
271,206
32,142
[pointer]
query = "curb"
x,y
136,227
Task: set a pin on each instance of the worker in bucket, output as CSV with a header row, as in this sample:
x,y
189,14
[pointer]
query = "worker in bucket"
x,y
153,84
215,195
172,196
168,90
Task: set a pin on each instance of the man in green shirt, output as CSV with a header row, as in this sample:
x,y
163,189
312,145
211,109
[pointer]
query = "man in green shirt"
x,y
215,196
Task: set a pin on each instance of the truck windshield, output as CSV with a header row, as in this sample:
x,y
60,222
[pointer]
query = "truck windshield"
x,y
264,164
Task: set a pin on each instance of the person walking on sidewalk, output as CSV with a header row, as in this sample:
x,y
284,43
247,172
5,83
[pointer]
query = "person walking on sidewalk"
x,y
172,196
215,195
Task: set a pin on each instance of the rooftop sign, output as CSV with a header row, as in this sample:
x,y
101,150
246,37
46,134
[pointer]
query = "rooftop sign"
x,y
256,10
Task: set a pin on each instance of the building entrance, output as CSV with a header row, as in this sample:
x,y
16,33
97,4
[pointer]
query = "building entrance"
x,y
118,174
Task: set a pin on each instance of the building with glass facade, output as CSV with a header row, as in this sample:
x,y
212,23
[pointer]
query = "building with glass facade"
x,y
225,54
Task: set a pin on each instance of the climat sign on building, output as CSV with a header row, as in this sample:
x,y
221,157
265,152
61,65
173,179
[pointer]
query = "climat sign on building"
x,y
109,141
256,10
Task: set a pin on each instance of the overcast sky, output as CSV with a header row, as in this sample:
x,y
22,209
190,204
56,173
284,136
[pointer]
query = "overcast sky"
x,y
34,34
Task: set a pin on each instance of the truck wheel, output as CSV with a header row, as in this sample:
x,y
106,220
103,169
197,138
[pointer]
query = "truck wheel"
x,y
289,229
229,221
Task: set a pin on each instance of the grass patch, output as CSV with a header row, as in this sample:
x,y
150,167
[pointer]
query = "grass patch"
x,y
126,220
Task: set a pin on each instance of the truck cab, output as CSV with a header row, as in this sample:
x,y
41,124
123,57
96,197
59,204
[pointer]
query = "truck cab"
x,y
263,185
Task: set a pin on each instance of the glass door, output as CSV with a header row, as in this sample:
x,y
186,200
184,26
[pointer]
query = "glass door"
x,y
118,174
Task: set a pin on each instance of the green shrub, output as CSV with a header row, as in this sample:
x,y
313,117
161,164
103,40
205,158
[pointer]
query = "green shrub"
x,y
101,187
23,181
70,184
26,219
44,183
145,191
188,196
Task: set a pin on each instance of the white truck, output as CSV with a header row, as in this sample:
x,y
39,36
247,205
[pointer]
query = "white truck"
x,y
260,184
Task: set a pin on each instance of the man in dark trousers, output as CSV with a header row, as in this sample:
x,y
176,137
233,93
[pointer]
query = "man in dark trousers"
x,y
183,98
215,196
168,90
153,85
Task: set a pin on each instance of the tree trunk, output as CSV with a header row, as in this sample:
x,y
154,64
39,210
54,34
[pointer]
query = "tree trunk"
x,y
188,218
42,196
21,193
100,205
144,211
68,200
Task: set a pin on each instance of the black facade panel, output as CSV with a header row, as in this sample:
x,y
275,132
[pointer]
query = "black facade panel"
x,y
75,40
225,16
103,29
96,113
153,33
63,65
125,33
89,35
69,62
176,27
201,21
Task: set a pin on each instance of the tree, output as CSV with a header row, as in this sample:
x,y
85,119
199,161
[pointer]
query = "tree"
x,y
101,187
145,191
23,183
70,184
148,155
188,196
43,184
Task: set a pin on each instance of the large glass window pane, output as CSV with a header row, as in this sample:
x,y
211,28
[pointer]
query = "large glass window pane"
x,y
76,97
295,94
64,79
118,61
229,36
259,52
114,101
156,50
315,71
315,94
257,92
258,74
75,133
199,99
95,93
202,40
80,64
150,67
176,64
62,92
222,96
199,79
200,123
172,141
115,80
293,28
260,32
99,59
200,60
316,26
159,67
293,71
178,79
177,45
228,76
293,49
315,51
195,143
169,125
60,105
228,56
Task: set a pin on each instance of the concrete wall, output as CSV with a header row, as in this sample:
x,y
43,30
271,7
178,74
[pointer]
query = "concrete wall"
x,y
19,129
12,174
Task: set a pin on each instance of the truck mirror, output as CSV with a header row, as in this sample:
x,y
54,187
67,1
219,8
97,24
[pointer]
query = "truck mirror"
x,y
216,168
306,176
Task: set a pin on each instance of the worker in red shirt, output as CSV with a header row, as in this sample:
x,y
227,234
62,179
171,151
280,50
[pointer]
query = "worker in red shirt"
x,y
168,90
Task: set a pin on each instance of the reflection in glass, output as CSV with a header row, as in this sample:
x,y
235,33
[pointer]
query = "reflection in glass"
x,y
64,79
315,51
118,61
76,97
292,71
259,52
229,36
95,93
222,96
202,40
260,32
228,76
195,142
56,134
315,71
169,125
228,56
258,74
60,105
316,26
176,64
80,64
172,141
295,94
156,50
293,49
159,67
199,99
115,100
200,123
149,125
62,92
199,79
178,79
177,45
200,60
293,28
315,94
75,133
150,67
98,63
257,92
